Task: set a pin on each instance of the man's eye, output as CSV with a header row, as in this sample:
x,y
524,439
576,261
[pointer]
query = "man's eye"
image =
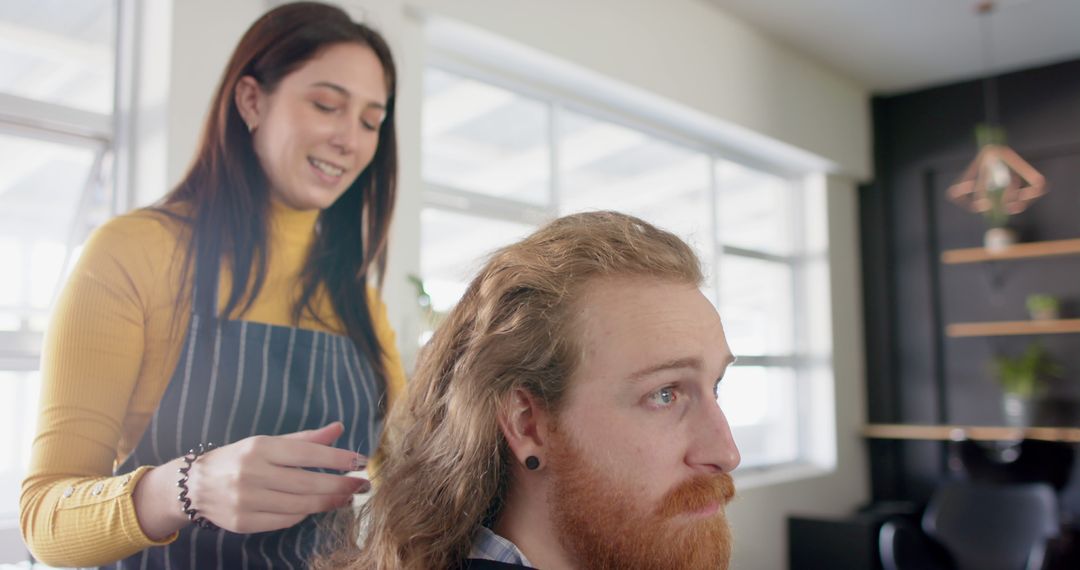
x,y
663,397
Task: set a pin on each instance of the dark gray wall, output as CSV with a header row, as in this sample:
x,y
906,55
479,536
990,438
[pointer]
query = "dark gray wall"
x,y
923,141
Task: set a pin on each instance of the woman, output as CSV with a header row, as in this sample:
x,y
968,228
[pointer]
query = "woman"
x,y
238,313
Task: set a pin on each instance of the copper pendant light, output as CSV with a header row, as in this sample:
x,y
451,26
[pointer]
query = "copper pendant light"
x,y
997,183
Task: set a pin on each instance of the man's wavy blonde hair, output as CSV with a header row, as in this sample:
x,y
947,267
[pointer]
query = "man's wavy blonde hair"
x,y
445,465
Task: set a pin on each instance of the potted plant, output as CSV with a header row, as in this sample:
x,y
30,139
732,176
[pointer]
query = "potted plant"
x,y
1043,307
431,317
996,176
1020,378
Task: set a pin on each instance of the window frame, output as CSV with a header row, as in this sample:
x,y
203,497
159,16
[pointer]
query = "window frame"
x,y
797,179
107,136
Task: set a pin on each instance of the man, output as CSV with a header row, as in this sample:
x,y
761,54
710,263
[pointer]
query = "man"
x,y
564,416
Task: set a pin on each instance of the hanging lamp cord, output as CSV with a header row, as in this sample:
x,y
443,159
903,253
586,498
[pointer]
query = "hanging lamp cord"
x,y
990,95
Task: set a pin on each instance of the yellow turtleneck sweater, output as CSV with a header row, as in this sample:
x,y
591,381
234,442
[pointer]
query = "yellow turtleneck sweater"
x,y
109,354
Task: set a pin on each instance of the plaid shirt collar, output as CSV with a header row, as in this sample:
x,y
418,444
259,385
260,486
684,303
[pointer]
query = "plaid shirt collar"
x,y
489,546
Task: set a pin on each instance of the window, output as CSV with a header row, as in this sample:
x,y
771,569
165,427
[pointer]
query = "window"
x,y
486,163
57,86
500,158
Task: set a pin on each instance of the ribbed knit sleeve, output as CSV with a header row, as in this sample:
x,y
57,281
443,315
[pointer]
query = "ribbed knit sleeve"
x,y
72,512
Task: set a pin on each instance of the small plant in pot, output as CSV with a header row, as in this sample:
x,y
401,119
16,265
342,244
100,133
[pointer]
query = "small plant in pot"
x,y
997,178
998,235
1021,378
431,318
1043,307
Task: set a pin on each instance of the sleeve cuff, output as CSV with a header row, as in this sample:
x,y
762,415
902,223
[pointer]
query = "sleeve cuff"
x,y
130,521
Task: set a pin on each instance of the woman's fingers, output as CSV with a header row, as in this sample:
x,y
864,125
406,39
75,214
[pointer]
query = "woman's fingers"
x,y
276,502
262,522
247,523
322,436
299,481
293,452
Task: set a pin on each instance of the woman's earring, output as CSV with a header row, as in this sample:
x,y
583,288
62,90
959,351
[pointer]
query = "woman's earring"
x,y
532,463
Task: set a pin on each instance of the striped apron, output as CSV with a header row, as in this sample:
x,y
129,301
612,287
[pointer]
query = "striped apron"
x,y
236,379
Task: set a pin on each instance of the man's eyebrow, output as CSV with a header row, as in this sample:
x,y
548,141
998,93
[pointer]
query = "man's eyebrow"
x,y
335,87
691,362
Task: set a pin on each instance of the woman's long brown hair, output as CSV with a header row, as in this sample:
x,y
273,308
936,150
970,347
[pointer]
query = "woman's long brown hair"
x,y
225,194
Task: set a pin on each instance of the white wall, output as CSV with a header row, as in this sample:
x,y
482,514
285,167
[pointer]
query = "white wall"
x,y
692,53
759,515
204,33
686,51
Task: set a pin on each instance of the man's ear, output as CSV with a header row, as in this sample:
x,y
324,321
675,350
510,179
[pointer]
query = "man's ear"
x,y
248,97
525,424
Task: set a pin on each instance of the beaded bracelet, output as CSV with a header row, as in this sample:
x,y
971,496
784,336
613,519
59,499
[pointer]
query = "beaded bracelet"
x,y
185,502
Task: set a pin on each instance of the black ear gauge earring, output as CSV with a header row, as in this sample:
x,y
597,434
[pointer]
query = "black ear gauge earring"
x,y
532,463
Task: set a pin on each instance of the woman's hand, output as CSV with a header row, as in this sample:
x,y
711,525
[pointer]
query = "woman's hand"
x,y
254,485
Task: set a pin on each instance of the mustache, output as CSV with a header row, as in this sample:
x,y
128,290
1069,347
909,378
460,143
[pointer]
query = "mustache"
x,y
698,493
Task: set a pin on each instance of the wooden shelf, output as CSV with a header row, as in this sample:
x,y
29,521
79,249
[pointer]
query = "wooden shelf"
x,y
1018,251
1008,328
978,433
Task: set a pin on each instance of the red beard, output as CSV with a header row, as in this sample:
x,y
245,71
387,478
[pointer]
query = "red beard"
x,y
603,526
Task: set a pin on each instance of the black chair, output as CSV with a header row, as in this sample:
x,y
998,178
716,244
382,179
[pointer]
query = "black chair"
x,y
904,546
980,526
992,527
969,526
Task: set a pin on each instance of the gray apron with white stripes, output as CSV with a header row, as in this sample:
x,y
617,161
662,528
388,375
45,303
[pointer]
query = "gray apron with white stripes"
x,y
236,379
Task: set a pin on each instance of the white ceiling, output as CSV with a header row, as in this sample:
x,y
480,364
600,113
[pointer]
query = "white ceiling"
x,y
898,45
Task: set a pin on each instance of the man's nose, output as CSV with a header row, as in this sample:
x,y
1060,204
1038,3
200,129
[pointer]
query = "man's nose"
x,y
714,446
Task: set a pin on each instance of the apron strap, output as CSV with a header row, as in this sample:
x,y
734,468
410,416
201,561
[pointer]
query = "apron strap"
x,y
204,290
